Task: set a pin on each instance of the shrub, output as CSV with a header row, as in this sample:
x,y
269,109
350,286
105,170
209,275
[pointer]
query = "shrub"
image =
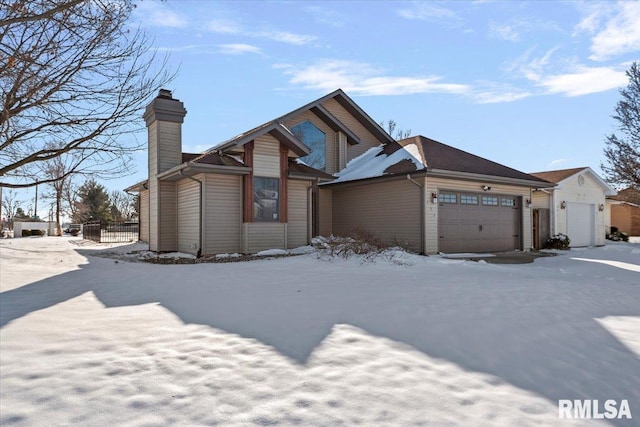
x,y
360,242
558,241
618,236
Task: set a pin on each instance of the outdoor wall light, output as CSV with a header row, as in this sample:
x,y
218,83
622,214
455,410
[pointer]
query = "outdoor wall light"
x,y
486,188
434,198
527,202
563,205
601,207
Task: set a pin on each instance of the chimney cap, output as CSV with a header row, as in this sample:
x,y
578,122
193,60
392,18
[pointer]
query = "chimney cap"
x,y
165,93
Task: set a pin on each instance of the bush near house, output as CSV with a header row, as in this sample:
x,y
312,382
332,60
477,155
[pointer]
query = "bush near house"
x,y
558,241
618,235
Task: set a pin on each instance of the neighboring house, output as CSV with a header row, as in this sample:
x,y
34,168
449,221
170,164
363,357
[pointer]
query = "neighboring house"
x,y
325,168
624,211
576,204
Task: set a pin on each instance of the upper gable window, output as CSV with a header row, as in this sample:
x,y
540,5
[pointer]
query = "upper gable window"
x,y
316,140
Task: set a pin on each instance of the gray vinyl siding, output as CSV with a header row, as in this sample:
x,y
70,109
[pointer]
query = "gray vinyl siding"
x,y
169,144
188,216
153,214
168,218
260,236
266,157
144,216
389,209
367,140
222,213
298,225
325,212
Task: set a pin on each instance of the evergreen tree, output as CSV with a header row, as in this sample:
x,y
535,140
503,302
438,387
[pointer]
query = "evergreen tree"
x,y
94,203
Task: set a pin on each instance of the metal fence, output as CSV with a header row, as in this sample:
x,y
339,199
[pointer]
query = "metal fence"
x,y
111,232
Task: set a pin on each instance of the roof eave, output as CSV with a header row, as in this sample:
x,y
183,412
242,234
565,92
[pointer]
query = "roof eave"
x,y
190,169
469,176
137,187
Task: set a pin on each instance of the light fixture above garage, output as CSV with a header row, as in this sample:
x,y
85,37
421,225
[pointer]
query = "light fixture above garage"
x,y
486,188
601,207
563,205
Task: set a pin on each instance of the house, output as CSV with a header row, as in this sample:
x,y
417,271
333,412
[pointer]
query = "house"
x,y
325,168
624,211
576,204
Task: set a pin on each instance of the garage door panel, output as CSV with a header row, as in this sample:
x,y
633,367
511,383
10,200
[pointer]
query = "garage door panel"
x,y
580,224
481,227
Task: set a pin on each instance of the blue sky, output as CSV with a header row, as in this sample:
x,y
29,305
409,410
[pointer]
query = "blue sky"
x,y
531,85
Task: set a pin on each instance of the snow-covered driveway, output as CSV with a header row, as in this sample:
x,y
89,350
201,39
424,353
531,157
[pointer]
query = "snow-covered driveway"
x,y
94,341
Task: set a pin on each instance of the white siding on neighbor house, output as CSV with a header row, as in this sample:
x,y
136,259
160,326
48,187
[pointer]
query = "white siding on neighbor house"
x,y
435,185
260,236
144,215
388,209
367,140
266,157
325,212
188,216
222,213
298,217
590,193
168,217
329,134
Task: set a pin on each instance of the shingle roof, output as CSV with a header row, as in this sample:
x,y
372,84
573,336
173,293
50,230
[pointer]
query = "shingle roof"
x,y
437,155
557,175
297,168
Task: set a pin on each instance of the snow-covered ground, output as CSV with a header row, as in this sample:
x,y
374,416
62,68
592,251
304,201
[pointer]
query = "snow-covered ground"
x,y
314,341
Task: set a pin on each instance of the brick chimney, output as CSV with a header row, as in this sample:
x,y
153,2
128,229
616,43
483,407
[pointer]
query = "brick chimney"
x,y
164,117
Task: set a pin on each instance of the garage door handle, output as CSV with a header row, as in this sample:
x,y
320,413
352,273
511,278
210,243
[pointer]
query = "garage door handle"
x,y
479,228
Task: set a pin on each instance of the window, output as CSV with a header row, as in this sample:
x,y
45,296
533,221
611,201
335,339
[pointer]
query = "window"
x,y
265,199
316,140
468,199
489,201
508,201
447,198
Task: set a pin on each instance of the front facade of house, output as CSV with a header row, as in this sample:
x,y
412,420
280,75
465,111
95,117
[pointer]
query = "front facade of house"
x,y
576,204
325,168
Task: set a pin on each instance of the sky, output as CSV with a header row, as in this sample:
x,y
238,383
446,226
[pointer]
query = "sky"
x,y
531,85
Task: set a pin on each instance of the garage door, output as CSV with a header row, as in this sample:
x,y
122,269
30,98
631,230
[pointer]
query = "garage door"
x,y
580,224
469,222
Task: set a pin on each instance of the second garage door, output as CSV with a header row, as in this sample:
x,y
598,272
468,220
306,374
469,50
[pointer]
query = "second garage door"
x,y
469,222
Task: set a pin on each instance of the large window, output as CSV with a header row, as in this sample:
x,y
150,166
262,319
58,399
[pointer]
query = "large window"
x,y
316,140
265,198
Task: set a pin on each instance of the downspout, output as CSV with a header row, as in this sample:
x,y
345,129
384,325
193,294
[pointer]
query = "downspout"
x,y
422,212
180,172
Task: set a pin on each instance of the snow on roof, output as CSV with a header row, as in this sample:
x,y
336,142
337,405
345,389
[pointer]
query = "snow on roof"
x,y
374,162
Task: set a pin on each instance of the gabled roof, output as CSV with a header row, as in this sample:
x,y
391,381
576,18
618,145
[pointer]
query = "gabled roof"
x,y
561,175
302,170
211,158
284,135
631,195
445,158
273,128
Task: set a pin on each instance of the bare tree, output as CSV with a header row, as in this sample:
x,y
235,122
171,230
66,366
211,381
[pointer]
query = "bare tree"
x,y
73,79
10,204
390,126
622,153
56,171
122,206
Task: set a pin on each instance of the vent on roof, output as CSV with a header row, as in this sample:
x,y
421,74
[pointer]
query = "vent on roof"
x,y
165,93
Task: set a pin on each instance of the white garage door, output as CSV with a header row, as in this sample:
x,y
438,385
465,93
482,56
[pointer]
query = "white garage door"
x,y
483,222
581,224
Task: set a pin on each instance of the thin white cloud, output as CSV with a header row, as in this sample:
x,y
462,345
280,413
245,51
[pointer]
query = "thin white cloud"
x,y
499,96
584,80
326,16
621,34
508,32
238,49
228,26
363,79
430,11
157,14
557,162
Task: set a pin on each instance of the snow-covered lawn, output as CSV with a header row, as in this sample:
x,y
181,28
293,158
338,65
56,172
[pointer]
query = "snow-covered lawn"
x,y
311,341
